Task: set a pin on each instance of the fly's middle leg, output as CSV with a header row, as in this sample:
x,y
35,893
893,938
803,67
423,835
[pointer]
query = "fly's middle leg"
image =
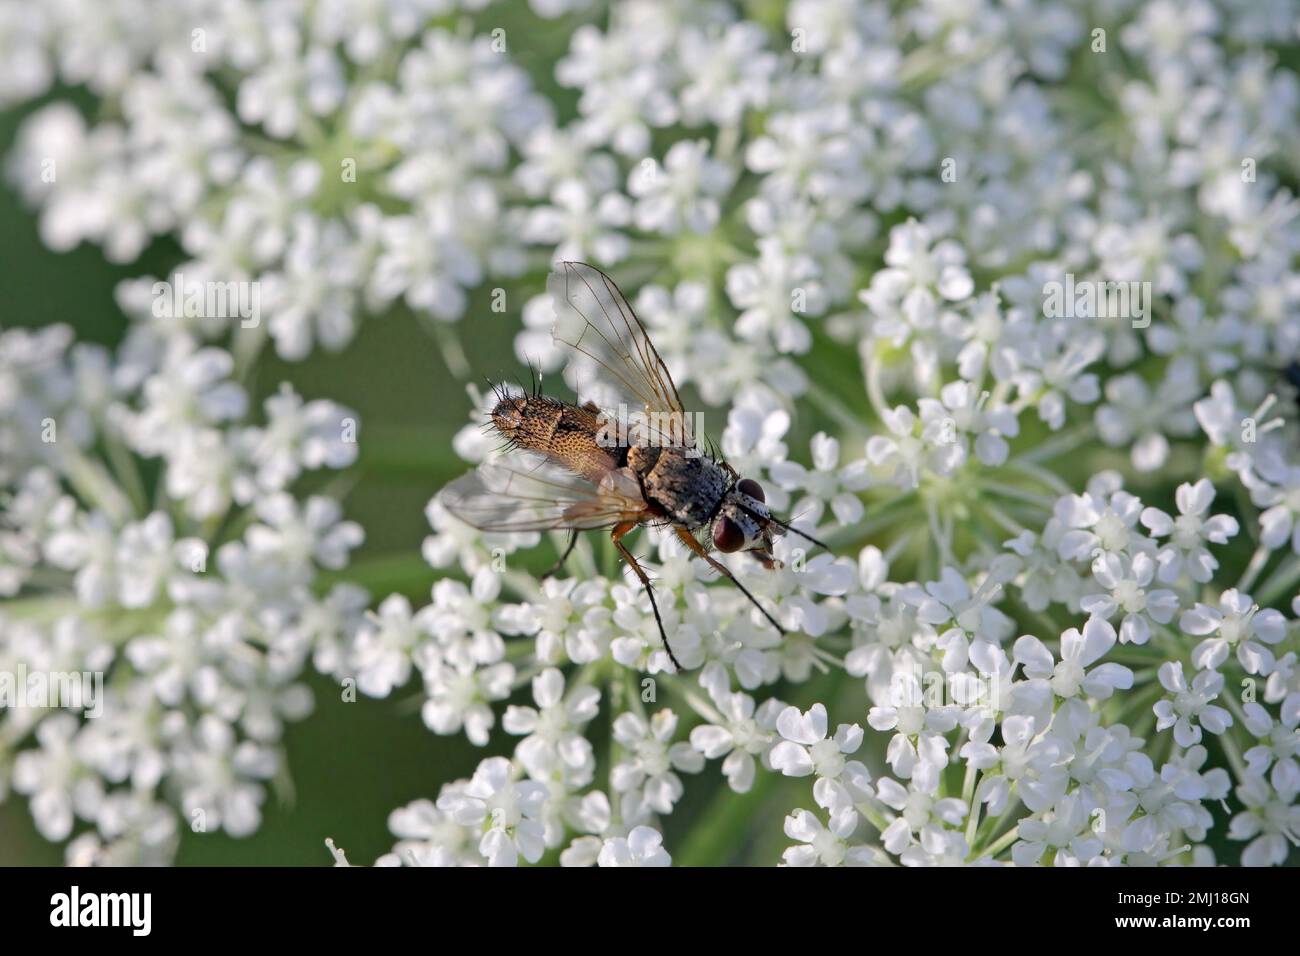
x,y
617,537
568,550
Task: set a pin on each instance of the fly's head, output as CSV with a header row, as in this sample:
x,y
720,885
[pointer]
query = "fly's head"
x,y
743,523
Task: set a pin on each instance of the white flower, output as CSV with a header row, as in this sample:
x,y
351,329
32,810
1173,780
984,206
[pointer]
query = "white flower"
x,y
1127,581
826,481
50,777
772,293
642,847
508,812
726,74
1275,486
581,225
553,731
1190,709
951,600
756,427
1143,419
314,298
819,844
1103,521
1189,532
938,847
918,750
300,435
381,653
805,749
1278,747
918,275
1079,651
190,389
680,195
1065,829
741,733
1236,622
459,694
1270,822
917,807
427,836
960,413
219,777
901,457
1029,760
652,759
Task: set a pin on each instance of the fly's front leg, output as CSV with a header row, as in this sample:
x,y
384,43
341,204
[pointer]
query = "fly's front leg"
x,y
617,537
568,550
689,540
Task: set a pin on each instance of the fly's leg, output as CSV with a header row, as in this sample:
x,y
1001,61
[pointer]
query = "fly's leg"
x,y
764,558
688,539
617,537
568,550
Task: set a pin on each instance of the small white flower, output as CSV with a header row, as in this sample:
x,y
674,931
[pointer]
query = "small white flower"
x,y
652,759
680,195
508,811
1236,623
1189,533
1191,707
642,847
805,749
1126,581
1080,650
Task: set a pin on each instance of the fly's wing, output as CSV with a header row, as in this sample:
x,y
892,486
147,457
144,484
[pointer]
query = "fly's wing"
x,y
508,497
614,361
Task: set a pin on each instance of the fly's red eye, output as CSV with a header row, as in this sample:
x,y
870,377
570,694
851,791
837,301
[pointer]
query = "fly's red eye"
x,y
727,535
748,486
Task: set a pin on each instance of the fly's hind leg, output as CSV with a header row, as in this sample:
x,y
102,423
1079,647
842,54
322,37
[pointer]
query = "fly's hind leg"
x,y
568,550
689,540
617,537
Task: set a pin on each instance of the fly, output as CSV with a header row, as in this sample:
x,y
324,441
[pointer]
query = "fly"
x,y
591,476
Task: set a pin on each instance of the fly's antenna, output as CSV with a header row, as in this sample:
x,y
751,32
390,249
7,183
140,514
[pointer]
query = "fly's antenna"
x,y
788,527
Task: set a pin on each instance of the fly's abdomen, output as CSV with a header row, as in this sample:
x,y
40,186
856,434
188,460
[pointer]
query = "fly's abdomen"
x,y
561,431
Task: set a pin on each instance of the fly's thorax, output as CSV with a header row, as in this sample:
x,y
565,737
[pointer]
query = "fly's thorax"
x,y
642,458
688,488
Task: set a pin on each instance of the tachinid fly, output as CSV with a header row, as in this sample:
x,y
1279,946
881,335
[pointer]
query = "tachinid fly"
x,y
589,475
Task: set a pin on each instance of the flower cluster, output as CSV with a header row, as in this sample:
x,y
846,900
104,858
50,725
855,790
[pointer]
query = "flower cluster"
x,y
998,301
160,585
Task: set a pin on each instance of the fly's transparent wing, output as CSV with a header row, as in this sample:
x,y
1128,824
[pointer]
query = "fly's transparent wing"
x,y
506,497
614,361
